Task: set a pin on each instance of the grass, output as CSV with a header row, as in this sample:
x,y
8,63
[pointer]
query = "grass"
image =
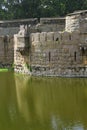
x,y
3,70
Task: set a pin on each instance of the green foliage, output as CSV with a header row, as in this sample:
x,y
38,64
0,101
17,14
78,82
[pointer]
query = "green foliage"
x,y
28,66
3,70
12,68
17,9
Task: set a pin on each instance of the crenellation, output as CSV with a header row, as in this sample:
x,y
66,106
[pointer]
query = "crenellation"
x,y
50,36
43,37
37,37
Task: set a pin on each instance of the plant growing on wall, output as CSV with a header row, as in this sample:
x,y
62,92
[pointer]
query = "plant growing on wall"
x,y
29,67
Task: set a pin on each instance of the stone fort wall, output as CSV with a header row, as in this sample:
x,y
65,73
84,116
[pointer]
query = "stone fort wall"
x,y
9,28
52,54
53,50
6,52
47,47
56,54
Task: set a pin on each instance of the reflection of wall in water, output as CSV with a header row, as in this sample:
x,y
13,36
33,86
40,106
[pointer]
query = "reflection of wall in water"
x,y
44,100
21,90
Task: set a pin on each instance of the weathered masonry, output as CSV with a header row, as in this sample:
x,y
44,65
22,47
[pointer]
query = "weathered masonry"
x,y
50,47
9,28
7,31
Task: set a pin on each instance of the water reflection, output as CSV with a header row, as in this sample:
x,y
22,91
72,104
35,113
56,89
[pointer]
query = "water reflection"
x,y
56,104
42,103
21,89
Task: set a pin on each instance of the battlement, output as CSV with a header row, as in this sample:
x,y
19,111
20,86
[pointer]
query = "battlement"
x,y
60,37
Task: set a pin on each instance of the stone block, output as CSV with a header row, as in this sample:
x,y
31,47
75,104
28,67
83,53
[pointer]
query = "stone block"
x,y
37,37
65,36
43,37
50,36
75,36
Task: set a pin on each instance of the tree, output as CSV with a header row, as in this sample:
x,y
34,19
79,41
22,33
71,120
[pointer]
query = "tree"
x,y
17,9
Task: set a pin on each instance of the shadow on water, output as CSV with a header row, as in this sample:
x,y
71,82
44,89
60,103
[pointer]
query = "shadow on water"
x,y
42,103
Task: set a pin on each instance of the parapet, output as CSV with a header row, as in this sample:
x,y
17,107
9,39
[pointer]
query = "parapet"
x,y
43,25
52,21
17,23
51,25
31,21
59,37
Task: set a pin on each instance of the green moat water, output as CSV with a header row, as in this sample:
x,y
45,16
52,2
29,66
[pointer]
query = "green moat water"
x,y
42,103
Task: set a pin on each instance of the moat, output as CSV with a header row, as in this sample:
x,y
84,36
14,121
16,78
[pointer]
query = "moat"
x,y
29,103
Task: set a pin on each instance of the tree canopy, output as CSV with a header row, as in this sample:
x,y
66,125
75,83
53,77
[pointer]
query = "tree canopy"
x,y
18,9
